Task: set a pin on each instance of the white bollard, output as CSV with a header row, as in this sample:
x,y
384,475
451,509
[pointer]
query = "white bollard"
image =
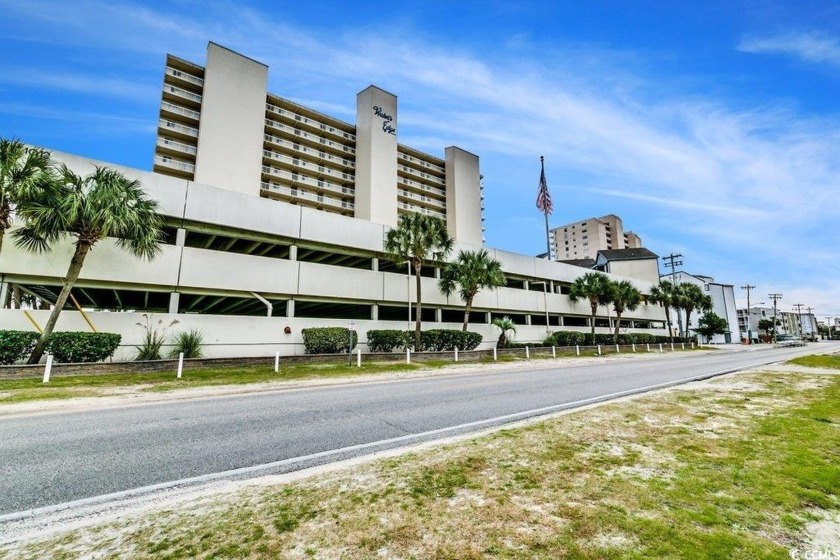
x,y
276,361
527,353
683,345
660,347
634,347
672,347
617,349
456,353
692,346
577,349
358,357
180,364
553,352
648,346
48,368
599,349
408,355
495,356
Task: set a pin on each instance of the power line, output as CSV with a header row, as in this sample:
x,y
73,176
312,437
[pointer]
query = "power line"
x,y
775,298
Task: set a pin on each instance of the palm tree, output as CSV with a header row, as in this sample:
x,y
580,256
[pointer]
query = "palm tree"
x,y
625,297
665,293
506,325
417,239
102,204
691,297
594,287
25,173
471,272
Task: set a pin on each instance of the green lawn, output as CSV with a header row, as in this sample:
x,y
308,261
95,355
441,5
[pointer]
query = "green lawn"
x,y
831,361
733,468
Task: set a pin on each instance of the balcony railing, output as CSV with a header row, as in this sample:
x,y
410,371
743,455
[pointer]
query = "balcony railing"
x,y
178,110
309,166
422,163
181,75
419,210
182,93
178,127
303,194
314,138
422,198
167,161
178,146
288,144
423,175
311,123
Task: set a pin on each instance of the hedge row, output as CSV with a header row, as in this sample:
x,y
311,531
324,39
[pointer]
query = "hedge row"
x,y
66,347
573,338
328,340
435,340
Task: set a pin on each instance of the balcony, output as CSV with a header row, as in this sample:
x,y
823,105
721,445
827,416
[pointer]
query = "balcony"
x,y
184,76
422,163
297,133
182,94
433,202
309,166
312,124
177,128
302,195
312,153
419,210
422,175
172,145
166,106
174,164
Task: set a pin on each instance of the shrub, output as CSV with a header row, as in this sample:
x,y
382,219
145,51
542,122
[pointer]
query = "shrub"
x,y
388,340
154,335
75,347
443,340
16,345
327,340
566,338
188,342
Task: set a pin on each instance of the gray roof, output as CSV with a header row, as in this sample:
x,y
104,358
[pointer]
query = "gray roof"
x,y
627,254
583,263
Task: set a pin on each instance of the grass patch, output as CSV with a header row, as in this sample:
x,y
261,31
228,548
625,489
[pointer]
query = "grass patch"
x,y
830,361
709,472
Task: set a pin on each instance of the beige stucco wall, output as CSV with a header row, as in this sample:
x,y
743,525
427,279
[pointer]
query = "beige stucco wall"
x,y
376,156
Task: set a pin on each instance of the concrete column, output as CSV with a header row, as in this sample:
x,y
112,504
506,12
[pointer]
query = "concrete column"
x,y
560,320
4,292
374,264
174,301
293,253
439,315
463,196
230,138
437,272
525,284
376,156
527,319
290,308
374,311
488,317
180,237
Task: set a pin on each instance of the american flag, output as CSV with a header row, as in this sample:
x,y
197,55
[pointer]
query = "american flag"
x,y
543,196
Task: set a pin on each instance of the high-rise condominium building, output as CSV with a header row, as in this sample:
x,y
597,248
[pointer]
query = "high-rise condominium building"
x,y
583,239
219,126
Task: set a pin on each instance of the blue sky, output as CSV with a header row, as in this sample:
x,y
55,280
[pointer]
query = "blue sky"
x,y
711,128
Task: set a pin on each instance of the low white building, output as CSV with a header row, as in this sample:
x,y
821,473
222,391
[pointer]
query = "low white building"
x,y
723,305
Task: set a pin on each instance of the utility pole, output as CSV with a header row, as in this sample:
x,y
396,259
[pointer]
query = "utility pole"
x,y
799,307
672,263
775,298
748,287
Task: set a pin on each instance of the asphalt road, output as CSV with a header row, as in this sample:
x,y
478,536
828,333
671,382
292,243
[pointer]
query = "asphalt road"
x,y
56,458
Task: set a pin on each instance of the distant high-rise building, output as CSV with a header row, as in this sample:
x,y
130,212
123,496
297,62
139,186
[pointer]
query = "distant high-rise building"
x,y
583,239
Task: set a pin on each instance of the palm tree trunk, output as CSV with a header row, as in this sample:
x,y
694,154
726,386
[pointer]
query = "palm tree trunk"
x,y
2,235
72,275
592,320
467,309
15,296
668,324
418,308
617,325
688,311
5,222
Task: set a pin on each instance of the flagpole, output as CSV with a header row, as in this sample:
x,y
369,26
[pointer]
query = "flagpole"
x,y
545,212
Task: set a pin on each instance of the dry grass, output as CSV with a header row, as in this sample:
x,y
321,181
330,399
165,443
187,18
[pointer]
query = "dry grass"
x,y
726,469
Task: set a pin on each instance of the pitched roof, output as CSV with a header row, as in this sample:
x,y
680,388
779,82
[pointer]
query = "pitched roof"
x,y
627,254
583,263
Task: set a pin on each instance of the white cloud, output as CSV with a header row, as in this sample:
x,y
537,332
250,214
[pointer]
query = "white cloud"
x,y
809,46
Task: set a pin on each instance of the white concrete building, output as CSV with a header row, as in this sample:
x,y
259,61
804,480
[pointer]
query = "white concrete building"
x,y
276,217
723,305
219,126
